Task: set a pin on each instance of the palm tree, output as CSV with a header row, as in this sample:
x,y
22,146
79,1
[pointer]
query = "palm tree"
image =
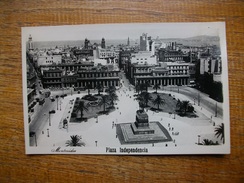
x,y
219,131
113,97
185,105
156,87
111,90
147,97
104,100
99,87
137,88
88,87
207,142
141,101
75,141
81,107
158,101
147,84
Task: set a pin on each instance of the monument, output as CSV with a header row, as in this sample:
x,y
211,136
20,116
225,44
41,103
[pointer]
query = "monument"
x,y
142,131
141,126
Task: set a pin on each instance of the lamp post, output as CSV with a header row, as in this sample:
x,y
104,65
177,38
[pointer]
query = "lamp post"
x,y
50,112
71,89
57,96
60,105
216,110
198,99
199,139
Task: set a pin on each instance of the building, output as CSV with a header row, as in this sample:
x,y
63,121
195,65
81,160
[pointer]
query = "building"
x,y
170,73
30,95
143,57
166,55
46,59
104,75
103,43
30,46
52,78
124,59
69,79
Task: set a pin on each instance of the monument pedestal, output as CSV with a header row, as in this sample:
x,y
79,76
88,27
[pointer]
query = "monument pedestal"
x,y
141,126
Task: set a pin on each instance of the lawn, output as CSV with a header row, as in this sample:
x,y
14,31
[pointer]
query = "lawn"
x,y
168,106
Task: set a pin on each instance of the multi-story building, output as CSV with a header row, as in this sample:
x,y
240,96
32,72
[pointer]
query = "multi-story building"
x,y
104,75
52,78
45,59
165,55
170,73
143,57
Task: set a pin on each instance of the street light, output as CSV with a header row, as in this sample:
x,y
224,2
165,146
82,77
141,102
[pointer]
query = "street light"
x,y
50,112
198,99
57,96
199,139
71,89
60,105
33,134
216,110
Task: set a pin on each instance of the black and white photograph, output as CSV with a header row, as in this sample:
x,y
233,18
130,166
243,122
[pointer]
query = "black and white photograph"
x,y
126,89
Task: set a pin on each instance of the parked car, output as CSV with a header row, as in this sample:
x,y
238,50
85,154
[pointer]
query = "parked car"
x,y
41,101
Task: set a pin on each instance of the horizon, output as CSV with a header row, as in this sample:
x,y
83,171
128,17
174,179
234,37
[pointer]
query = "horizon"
x,y
122,31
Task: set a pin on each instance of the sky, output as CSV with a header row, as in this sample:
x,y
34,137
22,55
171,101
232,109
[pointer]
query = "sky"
x,y
122,31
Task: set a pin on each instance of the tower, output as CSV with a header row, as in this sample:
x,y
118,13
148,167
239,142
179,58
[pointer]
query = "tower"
x,y
128,42
30,43
103,43
86,43
143,42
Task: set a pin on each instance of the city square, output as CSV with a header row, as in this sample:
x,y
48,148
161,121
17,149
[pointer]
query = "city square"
x,y
142,93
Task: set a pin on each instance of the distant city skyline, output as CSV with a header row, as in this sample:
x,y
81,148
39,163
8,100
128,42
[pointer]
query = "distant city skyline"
x,y
121,31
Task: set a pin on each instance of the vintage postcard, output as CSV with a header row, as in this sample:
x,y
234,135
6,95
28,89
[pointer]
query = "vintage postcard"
x,y
126,89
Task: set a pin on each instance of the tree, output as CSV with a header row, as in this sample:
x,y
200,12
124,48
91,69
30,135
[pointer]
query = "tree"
x,y
81,107
185,105
99,87
88,87
75,141
207,142
113,97
147,84
147,97
219,131
141,101
158,101
156,87
137,88
104,100
111,90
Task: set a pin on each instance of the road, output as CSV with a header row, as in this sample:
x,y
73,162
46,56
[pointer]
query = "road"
x,y
206,102
40,118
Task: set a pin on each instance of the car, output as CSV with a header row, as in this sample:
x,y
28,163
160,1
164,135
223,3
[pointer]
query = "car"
x,y
41,101
52,112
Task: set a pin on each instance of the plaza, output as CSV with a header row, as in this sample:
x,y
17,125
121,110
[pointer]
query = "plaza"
x,y
100,131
